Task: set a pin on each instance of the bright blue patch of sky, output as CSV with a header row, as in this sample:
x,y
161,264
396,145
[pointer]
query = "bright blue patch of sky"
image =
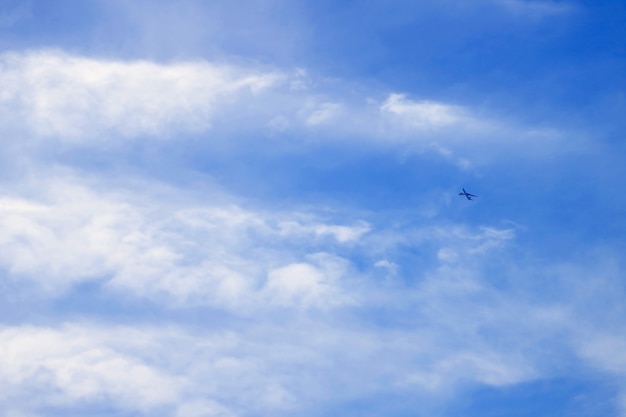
x,y
556,397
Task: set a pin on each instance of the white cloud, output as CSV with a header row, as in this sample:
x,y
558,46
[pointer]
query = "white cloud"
x,y
466,136
342,234
144,370
488,368
307,284
73,98
391,267
451,240
213,253
447,255
424,114
87,101
323,113
607,351
446,329
71,366
164,244
277,277
246,369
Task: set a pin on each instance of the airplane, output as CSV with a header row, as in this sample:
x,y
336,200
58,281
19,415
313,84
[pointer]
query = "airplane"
x,y
467,195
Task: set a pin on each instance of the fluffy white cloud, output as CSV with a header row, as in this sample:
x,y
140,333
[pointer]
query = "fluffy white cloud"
x,y
73,365
196,252
308,283
74,98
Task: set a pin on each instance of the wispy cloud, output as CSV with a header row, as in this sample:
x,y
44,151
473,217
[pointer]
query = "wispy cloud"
x,y
425,114
91,102
449,325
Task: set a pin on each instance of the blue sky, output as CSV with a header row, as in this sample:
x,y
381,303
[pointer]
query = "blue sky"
x,y
250,208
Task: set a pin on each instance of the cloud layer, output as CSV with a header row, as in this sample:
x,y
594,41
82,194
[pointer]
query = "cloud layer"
x,y
242,232
77,101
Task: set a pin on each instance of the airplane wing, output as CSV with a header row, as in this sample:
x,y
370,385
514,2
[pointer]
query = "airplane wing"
x,y
467,195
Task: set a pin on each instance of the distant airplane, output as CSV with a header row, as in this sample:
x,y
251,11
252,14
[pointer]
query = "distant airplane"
x,y
467,195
